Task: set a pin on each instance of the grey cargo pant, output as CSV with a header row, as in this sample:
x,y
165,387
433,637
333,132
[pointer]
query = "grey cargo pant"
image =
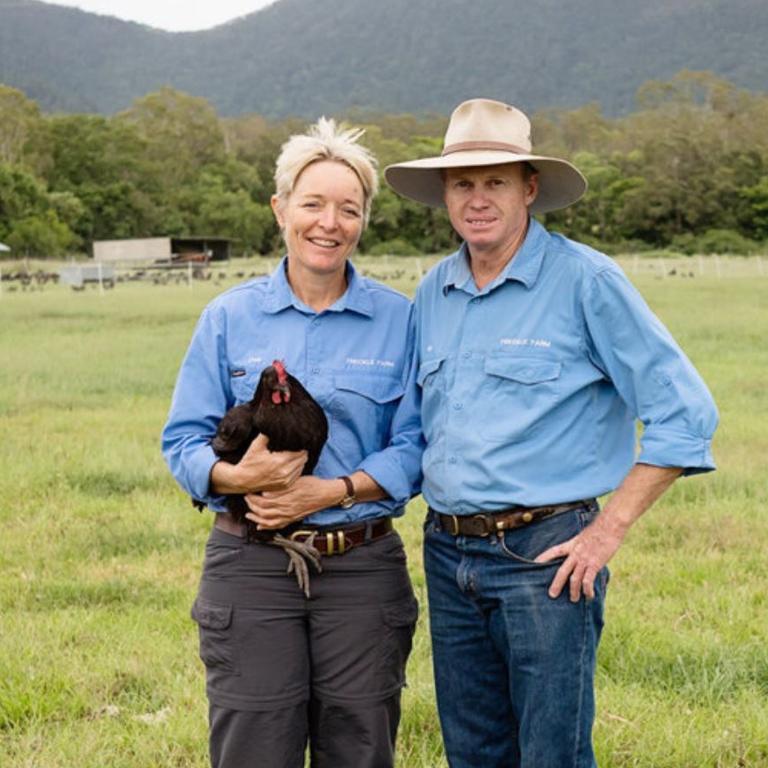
x,y
283,670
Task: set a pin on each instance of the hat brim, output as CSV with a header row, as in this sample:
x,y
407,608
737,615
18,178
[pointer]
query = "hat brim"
x,y
560,183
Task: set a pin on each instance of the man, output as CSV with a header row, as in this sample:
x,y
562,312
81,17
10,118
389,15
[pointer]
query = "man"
x,y
536,358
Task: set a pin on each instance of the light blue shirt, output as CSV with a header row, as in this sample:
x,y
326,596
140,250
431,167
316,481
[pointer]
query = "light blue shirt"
x,y
532,386
356,358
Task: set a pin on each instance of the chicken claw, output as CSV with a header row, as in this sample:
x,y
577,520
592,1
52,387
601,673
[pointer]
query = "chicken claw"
x,y
299,554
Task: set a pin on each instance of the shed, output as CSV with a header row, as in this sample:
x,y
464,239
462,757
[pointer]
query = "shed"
x,y
4,248
163,250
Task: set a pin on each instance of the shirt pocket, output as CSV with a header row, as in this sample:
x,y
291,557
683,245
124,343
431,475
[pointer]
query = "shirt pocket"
x,y
243,383
431,379
366,403
518,391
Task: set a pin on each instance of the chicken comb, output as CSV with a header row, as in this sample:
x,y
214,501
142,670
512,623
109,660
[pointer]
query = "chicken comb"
x,y
282,377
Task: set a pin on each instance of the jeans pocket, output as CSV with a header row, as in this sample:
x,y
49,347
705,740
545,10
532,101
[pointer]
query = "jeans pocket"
x,y
214,621
399,621
525,544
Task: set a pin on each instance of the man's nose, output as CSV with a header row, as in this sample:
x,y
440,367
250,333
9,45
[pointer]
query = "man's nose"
x,y
478,199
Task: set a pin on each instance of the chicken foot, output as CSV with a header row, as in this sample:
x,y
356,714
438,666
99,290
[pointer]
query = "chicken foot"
x,y
299,554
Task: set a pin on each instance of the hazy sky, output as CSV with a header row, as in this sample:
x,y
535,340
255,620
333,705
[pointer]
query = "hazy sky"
x,y
173,15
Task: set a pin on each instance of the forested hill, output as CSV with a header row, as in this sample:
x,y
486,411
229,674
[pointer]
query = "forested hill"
x,y
305,57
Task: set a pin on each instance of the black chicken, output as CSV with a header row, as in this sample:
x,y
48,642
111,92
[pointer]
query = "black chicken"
x,y
290,417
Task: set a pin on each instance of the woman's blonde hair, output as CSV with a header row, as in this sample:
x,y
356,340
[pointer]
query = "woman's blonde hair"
x,y
325,140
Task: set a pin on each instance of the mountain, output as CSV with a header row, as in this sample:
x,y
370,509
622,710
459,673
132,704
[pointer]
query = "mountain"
x,y
303,57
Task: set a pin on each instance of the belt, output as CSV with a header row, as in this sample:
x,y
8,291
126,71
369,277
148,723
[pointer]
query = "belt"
x,y
327,541
486,523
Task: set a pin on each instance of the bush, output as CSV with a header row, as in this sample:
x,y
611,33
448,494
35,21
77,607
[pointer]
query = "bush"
x,y
395,247
723,241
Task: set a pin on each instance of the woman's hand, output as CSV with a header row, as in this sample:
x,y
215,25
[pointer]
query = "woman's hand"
x,y
276,509
258,470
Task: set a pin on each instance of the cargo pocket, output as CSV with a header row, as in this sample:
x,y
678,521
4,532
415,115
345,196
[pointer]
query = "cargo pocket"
x,y
214,620
399,627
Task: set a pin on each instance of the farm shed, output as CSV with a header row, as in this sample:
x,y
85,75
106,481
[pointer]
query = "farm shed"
x,y
167,250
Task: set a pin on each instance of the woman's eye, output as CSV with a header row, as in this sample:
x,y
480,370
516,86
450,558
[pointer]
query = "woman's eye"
x,y
351,212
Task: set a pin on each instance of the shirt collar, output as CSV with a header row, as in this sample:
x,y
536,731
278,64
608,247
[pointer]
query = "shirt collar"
x,y
523,267
280,296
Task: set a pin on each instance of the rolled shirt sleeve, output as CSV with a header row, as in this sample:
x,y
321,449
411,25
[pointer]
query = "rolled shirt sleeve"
x,y
397,468
652,375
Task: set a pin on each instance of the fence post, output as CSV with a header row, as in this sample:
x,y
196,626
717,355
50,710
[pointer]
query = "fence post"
x,y
189,274
101,280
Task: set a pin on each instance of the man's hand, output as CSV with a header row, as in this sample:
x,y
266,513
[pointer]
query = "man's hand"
x,y
585,555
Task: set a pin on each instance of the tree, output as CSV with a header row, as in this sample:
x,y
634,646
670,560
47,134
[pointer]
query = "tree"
x,y
19,120
40,235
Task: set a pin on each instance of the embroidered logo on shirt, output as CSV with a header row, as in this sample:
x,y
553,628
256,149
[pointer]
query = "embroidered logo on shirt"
x,y
370,361
525,342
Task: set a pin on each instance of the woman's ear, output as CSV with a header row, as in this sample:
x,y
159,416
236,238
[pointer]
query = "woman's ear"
x,y
277,205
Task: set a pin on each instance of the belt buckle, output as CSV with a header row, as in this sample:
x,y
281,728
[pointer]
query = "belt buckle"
x,y
488,525
331,545
302,532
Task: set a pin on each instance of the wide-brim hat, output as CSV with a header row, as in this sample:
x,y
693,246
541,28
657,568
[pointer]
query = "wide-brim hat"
x,y
485,132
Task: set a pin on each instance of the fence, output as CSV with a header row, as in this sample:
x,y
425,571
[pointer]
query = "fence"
x,y
402,270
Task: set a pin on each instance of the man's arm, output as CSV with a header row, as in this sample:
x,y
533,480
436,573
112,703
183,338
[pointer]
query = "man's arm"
x,y
586,554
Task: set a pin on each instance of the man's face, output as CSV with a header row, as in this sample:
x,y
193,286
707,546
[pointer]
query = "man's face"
x,y
488,206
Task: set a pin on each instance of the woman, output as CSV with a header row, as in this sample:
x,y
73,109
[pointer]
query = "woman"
x,y
284,669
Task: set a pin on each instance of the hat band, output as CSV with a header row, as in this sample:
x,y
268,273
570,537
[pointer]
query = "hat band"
x,y
463,146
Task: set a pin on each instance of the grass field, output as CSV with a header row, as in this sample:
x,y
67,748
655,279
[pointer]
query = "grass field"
x,y
100,552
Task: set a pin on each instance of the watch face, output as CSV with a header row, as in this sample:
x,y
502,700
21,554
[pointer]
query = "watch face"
x,y
347,502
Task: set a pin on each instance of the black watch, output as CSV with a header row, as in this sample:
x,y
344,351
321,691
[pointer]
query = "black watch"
x,y
349,499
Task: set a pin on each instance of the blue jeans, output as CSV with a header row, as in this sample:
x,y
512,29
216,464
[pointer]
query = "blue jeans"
x,y
514,669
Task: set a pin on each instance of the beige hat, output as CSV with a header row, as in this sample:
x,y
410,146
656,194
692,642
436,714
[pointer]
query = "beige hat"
x,y
485,132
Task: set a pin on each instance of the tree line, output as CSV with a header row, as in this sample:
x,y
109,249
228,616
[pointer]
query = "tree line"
x,y
687,170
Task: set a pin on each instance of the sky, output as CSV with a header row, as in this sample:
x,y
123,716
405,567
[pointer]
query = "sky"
x,y
172,15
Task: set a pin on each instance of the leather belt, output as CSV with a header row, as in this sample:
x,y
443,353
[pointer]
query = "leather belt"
x,y
486,523
327,541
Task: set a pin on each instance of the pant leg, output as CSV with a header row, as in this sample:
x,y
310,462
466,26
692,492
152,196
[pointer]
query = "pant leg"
x,y
271,739
550,645
362,618
471,678
252,621
358,735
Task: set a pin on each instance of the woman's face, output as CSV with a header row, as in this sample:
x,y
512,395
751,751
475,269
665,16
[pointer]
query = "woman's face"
x,y
322,220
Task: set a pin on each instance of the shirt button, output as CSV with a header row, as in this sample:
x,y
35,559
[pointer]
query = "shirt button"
x,y
466,355
457,406
315,370
452,460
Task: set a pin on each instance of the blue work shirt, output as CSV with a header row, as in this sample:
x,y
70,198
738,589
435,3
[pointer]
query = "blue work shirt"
x,y
531,387
356,358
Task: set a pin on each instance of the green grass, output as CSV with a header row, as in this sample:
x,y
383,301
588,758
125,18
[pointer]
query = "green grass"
x,y
101,552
